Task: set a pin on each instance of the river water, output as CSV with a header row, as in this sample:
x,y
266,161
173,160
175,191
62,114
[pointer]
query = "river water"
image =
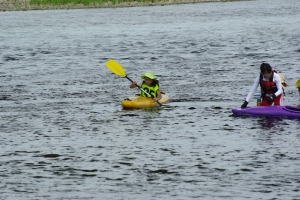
x,y
64,134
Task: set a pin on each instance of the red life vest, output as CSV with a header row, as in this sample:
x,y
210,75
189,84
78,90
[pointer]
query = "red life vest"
x,y
268,87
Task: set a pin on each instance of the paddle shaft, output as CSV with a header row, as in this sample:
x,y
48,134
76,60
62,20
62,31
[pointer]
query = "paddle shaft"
x,y
143,90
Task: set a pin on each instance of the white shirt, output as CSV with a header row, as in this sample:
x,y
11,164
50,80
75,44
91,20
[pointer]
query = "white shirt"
x,y
276,79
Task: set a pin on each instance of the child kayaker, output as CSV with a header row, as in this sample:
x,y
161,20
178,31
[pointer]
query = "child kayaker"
x,y
271,87
149,85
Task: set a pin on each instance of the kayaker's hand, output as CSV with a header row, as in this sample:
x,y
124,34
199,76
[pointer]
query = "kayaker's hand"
x,y
271,98
133,84
244,104
155,99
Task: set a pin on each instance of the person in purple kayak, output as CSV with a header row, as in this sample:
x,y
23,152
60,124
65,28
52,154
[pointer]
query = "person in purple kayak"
x,y
271,87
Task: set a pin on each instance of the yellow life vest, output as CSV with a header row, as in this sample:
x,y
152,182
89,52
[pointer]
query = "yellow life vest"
x,y
152,90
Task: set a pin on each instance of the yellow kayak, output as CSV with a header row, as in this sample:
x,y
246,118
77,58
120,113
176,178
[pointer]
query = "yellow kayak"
x,y
143,102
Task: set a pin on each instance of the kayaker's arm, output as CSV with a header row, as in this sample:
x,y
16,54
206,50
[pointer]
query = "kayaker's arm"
x,y
253,89
276,79
271,98
158,96
251,93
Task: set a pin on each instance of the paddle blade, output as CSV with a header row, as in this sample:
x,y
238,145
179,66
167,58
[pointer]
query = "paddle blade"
x,y
297,84
115,67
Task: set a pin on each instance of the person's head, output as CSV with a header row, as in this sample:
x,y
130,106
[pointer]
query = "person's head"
x,y
148,77
266,70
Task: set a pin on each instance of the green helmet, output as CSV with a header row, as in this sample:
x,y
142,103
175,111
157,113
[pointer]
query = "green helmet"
x,y
148,74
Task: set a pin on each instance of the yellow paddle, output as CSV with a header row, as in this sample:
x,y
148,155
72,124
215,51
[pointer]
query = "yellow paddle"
x,y
116,68
297,84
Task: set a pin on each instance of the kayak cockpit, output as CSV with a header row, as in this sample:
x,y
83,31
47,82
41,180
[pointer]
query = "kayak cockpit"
x,y
292,109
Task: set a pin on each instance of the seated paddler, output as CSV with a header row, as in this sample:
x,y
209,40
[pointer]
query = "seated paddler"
x,y
149,86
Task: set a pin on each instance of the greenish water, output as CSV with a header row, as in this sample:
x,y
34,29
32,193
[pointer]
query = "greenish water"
x,y
75,2
20,5
101,2
114,2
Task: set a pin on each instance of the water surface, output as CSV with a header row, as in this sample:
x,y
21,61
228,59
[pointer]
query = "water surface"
x,y
64,134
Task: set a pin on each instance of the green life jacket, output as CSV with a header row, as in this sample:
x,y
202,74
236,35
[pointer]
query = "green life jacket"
x,y
152,90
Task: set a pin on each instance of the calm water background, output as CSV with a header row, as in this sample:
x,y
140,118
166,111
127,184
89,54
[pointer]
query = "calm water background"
x,y
64,134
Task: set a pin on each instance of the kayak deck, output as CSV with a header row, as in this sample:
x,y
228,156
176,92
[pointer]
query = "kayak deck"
x,y
143,102
273,111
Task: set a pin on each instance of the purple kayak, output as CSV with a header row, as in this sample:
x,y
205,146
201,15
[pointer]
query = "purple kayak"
x,y
273,111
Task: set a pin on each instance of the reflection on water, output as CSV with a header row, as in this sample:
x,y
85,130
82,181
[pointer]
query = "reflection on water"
x,y
64,134
268,123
